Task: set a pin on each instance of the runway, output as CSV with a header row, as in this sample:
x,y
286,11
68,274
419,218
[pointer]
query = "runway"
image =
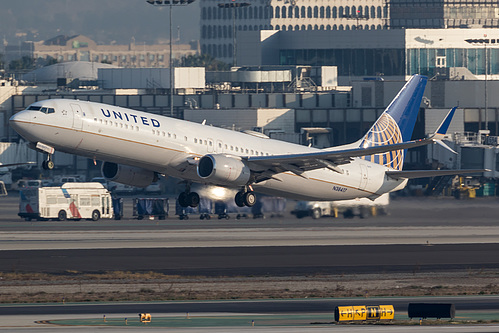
x,y
260,261
420,236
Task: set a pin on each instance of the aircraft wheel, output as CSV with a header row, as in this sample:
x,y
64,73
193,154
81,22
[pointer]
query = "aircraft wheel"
x,y
249,199
239,199
48,165
95,215
182,200
316,213
62,215
193,199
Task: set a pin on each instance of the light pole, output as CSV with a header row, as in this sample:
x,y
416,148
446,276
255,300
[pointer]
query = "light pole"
x,y
233,5
170,3
483,42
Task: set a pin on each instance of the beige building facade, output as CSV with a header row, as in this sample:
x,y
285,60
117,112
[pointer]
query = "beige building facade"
x,y
81,48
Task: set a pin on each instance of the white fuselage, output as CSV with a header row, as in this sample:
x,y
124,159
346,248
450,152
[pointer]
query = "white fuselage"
x,y
163,144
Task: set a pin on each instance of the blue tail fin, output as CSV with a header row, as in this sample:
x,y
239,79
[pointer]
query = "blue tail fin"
x,y
396,124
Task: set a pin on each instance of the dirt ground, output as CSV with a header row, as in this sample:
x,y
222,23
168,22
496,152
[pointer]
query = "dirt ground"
x,y
128,286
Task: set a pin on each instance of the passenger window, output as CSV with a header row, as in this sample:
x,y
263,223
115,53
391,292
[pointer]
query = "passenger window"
x,y
195,140
237,149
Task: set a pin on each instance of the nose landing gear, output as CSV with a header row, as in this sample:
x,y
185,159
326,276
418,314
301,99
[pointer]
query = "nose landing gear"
x,y
48,164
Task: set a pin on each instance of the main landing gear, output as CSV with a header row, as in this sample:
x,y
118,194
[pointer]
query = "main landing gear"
x,y
245,198
188,199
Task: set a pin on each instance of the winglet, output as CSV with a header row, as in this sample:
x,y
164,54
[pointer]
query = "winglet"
x,y
444,126
442,130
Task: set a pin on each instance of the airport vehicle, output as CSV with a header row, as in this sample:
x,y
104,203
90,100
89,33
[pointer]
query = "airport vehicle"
x,y
361,207
6,175
70,201
3,190
137,146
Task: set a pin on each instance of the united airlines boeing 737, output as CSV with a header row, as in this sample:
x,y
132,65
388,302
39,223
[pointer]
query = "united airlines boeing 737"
x,y
137,146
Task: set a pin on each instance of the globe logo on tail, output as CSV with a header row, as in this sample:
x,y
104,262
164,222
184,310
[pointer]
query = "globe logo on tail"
x,y
384,132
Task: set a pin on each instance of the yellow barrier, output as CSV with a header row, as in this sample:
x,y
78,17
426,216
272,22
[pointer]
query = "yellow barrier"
x,y
145,317
363,313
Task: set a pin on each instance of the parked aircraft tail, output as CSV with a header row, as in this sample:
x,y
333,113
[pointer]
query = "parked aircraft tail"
x,y
396,124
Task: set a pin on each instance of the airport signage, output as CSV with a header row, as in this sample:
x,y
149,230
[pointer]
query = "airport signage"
x,y
364,313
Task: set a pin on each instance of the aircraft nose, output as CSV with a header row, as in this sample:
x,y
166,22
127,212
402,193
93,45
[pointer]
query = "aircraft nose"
x,y
20,120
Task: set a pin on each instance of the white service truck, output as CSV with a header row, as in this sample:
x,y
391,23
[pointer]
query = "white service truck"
x,y
70,201
361,207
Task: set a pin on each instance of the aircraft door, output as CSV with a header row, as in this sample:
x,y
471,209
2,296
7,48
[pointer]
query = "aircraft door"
x,y
77,116
363,177
219,147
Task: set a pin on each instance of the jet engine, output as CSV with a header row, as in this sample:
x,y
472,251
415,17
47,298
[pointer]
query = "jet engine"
x,y
223,170
128,175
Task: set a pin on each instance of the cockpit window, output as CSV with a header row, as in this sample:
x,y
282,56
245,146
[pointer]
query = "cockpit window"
x,y
42,109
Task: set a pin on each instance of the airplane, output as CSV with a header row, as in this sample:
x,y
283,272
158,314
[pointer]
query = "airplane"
x,y
6,168
136,147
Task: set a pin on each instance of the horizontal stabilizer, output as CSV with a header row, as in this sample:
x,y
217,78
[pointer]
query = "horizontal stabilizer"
x,y
430,173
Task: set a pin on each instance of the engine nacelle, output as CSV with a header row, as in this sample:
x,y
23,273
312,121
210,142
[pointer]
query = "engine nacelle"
x,y
128,175
223,170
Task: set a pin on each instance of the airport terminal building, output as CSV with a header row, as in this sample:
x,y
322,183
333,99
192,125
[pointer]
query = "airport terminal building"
x,y
396,53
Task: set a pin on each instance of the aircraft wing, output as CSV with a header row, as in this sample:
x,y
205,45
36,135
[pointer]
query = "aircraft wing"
x,y
16,164
299,163
270,166
430,173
